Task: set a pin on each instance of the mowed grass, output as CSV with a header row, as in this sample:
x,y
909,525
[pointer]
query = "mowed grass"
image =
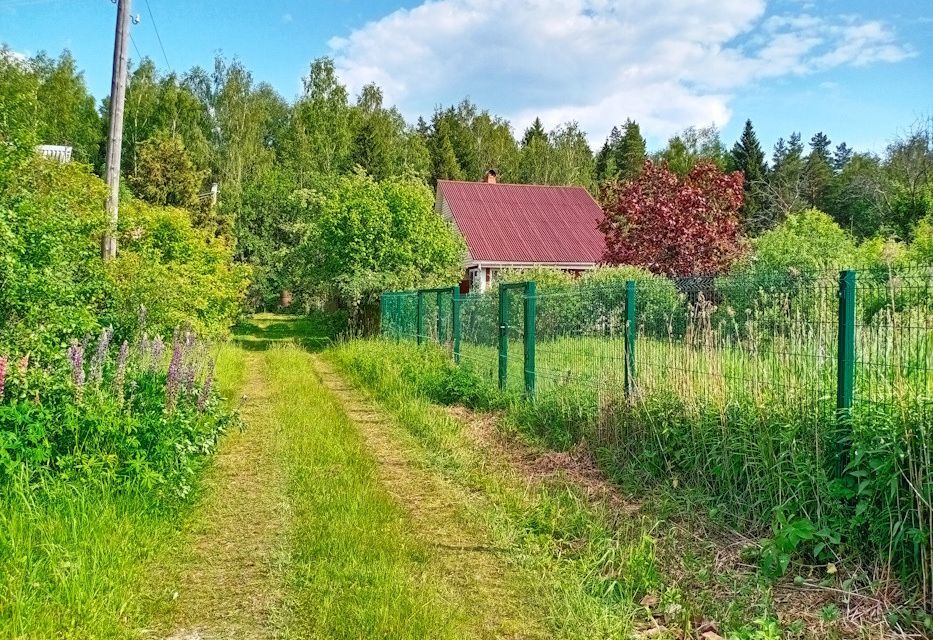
x,y
585,568
355,571
353,568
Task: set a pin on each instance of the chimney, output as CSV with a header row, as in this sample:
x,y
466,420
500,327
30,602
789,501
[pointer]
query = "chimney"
x,y
491,176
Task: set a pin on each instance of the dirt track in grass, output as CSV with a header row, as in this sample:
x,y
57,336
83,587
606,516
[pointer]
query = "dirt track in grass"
x,y
230,580
475,577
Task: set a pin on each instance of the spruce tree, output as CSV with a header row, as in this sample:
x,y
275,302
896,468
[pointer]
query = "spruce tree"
x,y
534,132
748,158
606,157
443,156
630,155
841,156
818,171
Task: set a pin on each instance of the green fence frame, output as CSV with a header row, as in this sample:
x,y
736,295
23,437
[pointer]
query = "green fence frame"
x,y
845,357
529,334
845,367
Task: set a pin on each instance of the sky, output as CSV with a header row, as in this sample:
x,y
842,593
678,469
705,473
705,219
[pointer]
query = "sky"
x,y
859,70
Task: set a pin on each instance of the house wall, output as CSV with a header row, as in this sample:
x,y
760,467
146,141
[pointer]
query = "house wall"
x,y
479,277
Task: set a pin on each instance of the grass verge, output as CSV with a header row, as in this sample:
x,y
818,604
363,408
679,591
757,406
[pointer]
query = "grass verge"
x,y
598,574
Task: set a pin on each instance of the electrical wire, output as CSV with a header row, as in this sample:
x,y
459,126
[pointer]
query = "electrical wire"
x,y
133,40
158,36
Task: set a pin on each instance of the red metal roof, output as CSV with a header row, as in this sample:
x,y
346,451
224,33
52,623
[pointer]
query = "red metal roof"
x,y
525,223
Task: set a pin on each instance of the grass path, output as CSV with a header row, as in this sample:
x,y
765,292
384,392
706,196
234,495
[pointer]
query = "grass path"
x,y
315,522
475,578
231,584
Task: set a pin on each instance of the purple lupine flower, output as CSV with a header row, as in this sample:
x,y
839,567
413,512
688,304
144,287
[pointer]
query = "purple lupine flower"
x,y
100,356
174,376
121,368
206,388
142,348
3,363
188,376
158,348
141,320
76,358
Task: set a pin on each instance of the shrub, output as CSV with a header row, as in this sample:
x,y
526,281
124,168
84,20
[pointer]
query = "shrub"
x,y
181,274
791,272
55,284
660,308
53,280
112,413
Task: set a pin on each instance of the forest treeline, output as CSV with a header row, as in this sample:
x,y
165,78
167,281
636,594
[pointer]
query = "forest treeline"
x,y
184,132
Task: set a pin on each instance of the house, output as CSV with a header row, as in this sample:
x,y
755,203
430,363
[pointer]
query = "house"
x,y
516,226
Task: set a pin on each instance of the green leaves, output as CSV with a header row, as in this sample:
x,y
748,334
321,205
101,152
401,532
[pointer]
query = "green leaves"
x,y
362,237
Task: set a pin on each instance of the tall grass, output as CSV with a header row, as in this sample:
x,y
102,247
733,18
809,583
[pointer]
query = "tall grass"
x,y
735,393
74,559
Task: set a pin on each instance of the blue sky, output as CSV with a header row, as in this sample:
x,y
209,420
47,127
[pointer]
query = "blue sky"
x,y
860,70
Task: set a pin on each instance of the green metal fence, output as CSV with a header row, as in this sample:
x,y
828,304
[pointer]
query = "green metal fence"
x,y
777,390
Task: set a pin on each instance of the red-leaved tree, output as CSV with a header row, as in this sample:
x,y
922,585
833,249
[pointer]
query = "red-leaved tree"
x,y
672,225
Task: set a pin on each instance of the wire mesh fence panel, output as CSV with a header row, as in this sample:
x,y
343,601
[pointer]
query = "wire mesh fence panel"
x,y
398,315
511,346
479,335
892,415
808,394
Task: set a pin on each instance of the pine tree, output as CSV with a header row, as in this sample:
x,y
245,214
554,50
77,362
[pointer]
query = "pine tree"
x,y
784,188
747,155
600,164
630,156
443,157
779,155
818,171
841,156
748,158
605,164
534,132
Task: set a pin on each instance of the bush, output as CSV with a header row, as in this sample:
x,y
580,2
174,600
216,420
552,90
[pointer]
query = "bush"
x,y
660,308
53,279
182,275
99,416
55,284
792,272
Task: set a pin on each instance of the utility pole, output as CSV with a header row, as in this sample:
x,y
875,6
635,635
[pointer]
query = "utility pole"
x,y
115,137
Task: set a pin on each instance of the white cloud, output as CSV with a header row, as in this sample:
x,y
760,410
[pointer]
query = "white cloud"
x,y
600,61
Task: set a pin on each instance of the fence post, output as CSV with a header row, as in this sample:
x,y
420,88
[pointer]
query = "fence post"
x,y
630,326
455,321
531,313
503,335
845,367
440,320
419,322
382,315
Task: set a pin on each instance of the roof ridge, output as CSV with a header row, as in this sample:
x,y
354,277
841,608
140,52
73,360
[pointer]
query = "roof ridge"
x,y
515,184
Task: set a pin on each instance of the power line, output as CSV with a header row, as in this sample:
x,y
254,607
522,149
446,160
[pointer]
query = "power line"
x,y
159,37
133,40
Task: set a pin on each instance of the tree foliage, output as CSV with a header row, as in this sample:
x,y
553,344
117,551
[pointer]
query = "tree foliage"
x,y
674,225
165,174
359,237
748,157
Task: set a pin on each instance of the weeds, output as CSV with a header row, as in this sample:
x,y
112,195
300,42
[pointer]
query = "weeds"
x,y
734,394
